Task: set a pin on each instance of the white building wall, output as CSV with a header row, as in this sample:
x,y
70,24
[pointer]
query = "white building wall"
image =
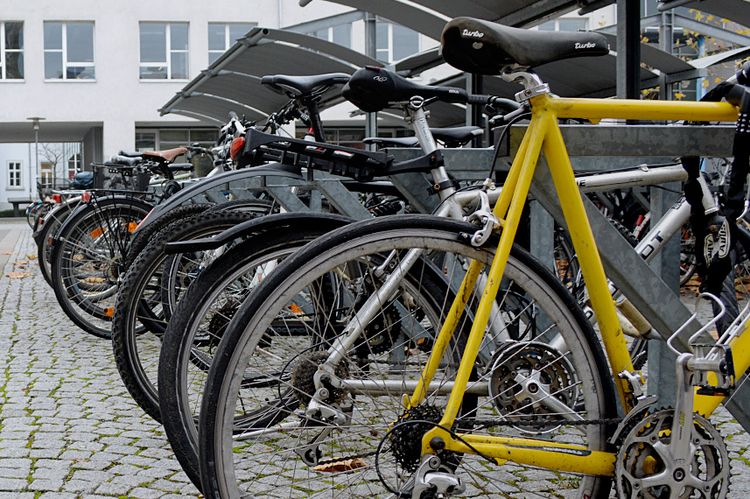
x,y
16,152
118,98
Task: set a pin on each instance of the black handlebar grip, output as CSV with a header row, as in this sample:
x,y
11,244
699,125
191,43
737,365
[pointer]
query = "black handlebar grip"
x,y
478,99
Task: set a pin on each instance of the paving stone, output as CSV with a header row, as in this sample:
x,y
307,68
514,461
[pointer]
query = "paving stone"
x,y
65,407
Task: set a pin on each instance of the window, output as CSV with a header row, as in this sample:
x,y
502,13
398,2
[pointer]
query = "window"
x,y
11,50
565,24
149,139
221,36
394,42
69,50
340,34
14,175
164,51
74,165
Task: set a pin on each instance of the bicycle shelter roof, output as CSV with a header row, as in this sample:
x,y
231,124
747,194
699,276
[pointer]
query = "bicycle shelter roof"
x,y
232,82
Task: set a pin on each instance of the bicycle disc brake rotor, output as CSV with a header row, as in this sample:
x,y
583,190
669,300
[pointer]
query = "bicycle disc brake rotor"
x,y
645,469
533,385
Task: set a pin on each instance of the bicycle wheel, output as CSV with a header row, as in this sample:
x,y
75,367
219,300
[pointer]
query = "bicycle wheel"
x,y
86,260
141,238
139,301
45,234
260,429
200,318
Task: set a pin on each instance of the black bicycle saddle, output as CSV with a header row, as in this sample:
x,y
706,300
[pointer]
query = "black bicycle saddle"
x,y
303,85
479,46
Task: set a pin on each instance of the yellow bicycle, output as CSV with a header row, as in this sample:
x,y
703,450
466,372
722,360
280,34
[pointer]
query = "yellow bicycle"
x,y
411,356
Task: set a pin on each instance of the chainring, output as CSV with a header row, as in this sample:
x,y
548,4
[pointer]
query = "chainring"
x,y
645,469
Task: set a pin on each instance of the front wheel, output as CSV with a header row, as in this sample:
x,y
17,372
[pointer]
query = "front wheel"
x,y
259,423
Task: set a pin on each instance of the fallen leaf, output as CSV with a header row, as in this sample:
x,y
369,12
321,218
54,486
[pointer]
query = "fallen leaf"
x,y
6,253
31,257
17,275
343,465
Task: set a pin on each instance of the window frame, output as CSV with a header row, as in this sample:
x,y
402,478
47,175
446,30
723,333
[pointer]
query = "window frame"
x,y
4,50
556,24
168,51
228,42
391,25
11,186
64,52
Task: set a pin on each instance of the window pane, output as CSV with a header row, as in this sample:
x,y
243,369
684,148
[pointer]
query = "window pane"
x,y
52,36
153,42
405,42
179,66
203,136
322,34
14,65
179,36
238,30
381,35
342,34
572,24
145,141
212,56
548,26
382,55
80,42
14,35
53,65
154,73
79,73
216,36
173,136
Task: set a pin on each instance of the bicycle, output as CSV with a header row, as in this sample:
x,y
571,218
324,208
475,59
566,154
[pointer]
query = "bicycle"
x,y
308,386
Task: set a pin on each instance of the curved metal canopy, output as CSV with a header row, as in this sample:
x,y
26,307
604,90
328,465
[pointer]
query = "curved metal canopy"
x,y
232,82
429,16
736,10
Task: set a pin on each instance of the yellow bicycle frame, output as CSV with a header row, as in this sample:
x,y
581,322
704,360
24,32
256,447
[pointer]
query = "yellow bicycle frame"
x,y
543,134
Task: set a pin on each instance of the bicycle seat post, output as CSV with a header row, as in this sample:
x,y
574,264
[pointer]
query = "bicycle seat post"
x,y
416,116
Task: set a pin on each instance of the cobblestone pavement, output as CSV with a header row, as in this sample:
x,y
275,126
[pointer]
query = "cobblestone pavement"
x,y
68,428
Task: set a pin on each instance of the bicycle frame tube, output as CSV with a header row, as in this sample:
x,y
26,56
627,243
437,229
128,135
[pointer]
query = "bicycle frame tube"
x,y
544,134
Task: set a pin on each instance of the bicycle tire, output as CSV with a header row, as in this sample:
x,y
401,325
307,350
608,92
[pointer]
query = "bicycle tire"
x,y
134,352
349,246
179,397
89,305
141,238
44,238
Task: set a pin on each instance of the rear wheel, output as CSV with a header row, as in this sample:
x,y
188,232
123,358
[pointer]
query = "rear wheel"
x,y
200,319
264,371
139,301
87,259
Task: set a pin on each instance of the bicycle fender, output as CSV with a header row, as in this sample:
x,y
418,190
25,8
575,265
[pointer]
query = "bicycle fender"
x,y
188,194
256,226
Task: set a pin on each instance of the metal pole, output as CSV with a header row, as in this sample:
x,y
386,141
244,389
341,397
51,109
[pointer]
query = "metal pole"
x,y
628,49
666,43
36,145
371,119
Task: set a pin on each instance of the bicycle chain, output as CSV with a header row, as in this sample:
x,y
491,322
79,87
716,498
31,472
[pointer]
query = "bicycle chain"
x,y
488,423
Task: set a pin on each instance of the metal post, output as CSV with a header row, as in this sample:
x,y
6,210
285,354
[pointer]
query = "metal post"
x,y
666,43
699,91
661,360
35,123
477,87
628,49
371,119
